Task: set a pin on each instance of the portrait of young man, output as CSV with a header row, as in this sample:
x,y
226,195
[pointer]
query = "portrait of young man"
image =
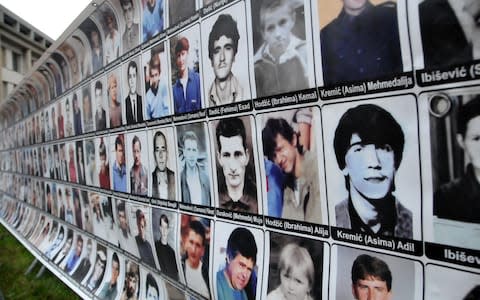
x,y
100,113
132,282
163,246
144,246
86,262
153,18
133,101
361,43
237,189
369,147
456,199
109,290
195,261
281,56
292,154
152,290
371,278
364,275
119,169
138,171
238,279
112,37
77,114
194,176
96,276
163,178
131,34
103,165
157,98
187,95
223,46
450,32
124,234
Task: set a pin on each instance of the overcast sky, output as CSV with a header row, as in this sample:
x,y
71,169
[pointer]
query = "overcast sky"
x,y
51,17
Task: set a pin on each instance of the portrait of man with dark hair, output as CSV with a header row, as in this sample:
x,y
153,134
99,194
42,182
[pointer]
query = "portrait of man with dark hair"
x,y
144,247
163,178
119,169
222,50
237,189
104,170
132,282
361,43
450,32
157,94
100,113
80,162
369,147
87,110
187,95
290,151
151,288
457,199
131,35
138,172
165,253
133,101
280,60
112,37
194,178
371,278
238,279
77,115
195,262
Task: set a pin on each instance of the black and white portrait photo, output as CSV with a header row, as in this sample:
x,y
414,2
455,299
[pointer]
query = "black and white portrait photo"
x,y
132,91
290,161
454,164
185,60
449,31
372,166
194,164
238,262
164,229
361,40
235,161
136,146
225,57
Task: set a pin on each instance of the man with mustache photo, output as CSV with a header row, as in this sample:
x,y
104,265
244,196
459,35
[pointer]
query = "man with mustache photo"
x,y
369,146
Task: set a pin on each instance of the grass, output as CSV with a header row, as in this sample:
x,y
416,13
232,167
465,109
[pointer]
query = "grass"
x,y
14,261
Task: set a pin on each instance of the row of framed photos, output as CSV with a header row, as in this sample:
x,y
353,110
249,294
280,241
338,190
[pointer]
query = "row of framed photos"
x,y
166,252
195,68
289,164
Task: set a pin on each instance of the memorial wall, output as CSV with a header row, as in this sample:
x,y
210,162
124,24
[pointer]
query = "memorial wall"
x,y
252,149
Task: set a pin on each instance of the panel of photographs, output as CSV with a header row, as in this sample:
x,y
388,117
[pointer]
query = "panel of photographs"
x,y
199,160
212,53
